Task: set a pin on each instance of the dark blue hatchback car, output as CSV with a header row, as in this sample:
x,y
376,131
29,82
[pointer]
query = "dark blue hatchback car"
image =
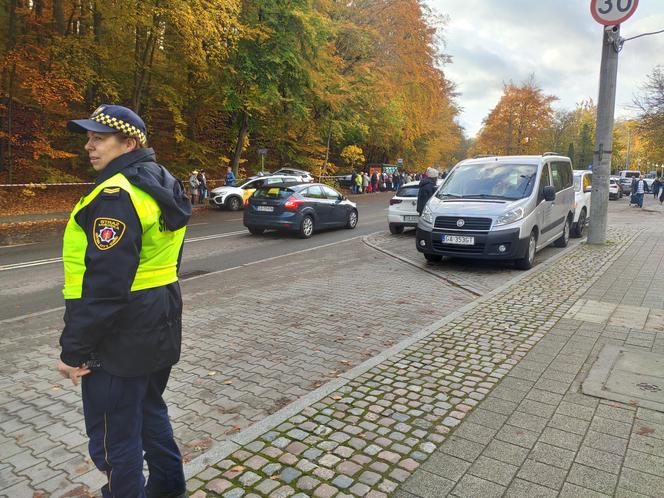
x,y
300,208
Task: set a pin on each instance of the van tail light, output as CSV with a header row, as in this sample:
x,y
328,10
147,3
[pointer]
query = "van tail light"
x,y
293,203
246,202
394,201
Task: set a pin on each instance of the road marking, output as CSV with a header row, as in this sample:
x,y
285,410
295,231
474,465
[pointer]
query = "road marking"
x,y
18,245
38,313
40,262
194,224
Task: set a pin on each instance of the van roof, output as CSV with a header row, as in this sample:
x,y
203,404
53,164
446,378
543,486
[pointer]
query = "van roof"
x,y
532,159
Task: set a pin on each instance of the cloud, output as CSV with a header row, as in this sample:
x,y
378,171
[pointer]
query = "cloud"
x,y
492,43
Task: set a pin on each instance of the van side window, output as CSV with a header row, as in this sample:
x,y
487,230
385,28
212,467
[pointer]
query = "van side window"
x,y
561,174
587,181
545,181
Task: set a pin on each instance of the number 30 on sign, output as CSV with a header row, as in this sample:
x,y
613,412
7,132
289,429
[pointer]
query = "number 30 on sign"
x,y
612,12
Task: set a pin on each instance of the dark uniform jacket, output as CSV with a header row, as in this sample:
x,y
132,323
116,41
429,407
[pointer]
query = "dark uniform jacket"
x,y
426,189
130,333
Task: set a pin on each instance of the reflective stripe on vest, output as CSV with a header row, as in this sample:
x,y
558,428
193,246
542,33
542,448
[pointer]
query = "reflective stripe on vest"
x,y
159,251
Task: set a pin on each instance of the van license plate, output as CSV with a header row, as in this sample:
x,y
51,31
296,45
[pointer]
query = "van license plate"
x,y
413,219
458,240
265,208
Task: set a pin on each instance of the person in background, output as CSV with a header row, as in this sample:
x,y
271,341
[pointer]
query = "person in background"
x,y
230,177
639,187
427,187
202,186
358,183
656,185
193,186
365,182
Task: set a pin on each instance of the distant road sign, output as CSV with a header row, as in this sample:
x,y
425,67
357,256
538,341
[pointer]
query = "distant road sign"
x,y
612,12
262,152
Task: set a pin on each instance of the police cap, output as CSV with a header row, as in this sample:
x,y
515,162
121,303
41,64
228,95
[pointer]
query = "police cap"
x,y
109,118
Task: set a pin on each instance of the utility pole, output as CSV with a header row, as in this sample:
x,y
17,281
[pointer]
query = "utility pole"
x,y
608,73
629,141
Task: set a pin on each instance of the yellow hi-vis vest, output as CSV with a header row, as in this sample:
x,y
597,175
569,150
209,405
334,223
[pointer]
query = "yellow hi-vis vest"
x,y
159,251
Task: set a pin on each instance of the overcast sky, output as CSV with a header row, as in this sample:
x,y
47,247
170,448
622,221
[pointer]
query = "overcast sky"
x,y
495,41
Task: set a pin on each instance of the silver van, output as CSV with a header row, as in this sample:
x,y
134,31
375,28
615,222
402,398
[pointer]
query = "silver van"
x,y
501,207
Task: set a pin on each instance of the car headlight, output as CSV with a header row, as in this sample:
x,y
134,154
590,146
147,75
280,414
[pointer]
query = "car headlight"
x,y
427,215
510,216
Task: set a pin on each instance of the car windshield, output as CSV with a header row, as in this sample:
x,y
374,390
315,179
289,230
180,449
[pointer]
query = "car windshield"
x,y
490,181
408,191
274,193
632,174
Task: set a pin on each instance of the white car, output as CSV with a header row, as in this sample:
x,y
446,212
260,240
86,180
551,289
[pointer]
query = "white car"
x,y
582,190
615,190
233,198
403,208
302,175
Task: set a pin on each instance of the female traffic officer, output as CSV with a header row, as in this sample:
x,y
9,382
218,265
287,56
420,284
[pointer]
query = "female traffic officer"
x,y
123,317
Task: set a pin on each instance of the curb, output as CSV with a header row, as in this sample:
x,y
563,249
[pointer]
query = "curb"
x,y
224,449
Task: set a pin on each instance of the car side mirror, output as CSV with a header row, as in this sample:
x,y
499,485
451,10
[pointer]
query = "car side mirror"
x,y
342,197
549,193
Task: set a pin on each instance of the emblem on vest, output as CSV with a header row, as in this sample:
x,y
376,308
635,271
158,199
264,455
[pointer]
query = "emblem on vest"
x,y
107,232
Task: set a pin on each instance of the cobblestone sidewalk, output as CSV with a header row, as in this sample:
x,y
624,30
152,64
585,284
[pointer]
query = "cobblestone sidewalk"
x,y
378,428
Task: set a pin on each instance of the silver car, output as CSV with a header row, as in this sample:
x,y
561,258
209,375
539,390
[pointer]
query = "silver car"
x,y
499,208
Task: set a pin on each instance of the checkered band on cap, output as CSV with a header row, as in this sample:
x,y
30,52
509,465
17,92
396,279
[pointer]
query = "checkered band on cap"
x,y
119,125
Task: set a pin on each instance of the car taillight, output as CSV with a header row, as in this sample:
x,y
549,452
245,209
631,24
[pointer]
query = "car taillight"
x,y
394,201
293,202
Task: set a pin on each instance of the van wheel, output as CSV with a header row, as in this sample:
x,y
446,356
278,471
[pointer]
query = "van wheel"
x,y
563,240
396,229
527,262
433,258
580,228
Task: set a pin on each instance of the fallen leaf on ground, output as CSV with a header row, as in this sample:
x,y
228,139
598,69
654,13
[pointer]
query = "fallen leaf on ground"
x,y
228,381
644,430
212,373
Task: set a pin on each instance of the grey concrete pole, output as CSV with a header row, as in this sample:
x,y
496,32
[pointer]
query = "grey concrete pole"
x,y
606,102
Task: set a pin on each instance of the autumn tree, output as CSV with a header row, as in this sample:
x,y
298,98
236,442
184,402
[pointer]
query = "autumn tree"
x,y
649,104
517,123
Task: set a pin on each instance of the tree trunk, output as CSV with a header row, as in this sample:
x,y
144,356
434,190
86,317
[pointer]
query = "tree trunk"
x,y
59,16
242,133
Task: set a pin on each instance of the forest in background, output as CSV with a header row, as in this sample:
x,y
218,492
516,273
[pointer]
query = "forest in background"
x,y
217,80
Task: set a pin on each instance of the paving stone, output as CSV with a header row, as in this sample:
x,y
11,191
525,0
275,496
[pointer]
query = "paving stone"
x,y
542,474
427,485
591,478
325,491
552,455
493,470
472,487
602,460
574,491
506,452
520,488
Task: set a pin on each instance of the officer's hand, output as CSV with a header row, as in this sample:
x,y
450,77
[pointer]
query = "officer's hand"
x,y
72,373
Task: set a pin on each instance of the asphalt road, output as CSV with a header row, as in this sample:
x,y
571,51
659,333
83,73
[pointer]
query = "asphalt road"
x,y
31,275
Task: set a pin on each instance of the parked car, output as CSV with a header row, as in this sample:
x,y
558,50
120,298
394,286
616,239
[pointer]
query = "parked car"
x,y
303,176
615,190
582,192
402,212
234,198
302,208
500,208
626,178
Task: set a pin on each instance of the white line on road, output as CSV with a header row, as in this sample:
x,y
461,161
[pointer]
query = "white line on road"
x,y
17,318
39,262
18,245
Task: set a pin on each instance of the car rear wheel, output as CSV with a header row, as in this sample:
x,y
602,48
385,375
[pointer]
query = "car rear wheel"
x,y
306,227
433,258
351,221
527,262
234,203
396,229
580,228
256,230
563,240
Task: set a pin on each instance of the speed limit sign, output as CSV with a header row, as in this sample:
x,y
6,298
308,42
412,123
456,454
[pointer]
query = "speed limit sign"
x,y
612,12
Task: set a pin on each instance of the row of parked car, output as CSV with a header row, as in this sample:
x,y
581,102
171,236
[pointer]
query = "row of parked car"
x,y
498,208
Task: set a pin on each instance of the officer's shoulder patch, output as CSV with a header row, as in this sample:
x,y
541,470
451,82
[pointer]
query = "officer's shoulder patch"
x,y
110,193
107,232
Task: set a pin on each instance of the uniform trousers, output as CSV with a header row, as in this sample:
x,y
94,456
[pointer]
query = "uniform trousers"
x,y
125,417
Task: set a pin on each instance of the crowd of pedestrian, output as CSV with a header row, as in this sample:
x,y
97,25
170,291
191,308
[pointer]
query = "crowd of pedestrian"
x,y
365,183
